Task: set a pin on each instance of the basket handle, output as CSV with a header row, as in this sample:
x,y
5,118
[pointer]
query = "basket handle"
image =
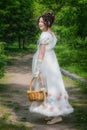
x,y
41,81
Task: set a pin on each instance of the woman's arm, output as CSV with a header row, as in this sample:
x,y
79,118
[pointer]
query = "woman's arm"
x,y
41,56
39,61
42,51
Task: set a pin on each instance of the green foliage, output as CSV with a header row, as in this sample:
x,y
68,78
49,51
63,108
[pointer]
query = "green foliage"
x,y
83,87
2,60
66,35
80,43
16,22
80,115
73,60
12,51
71,17
4,125
67,16
6,116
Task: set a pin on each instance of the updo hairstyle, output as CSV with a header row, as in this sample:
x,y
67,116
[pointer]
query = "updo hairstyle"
x,y
48,19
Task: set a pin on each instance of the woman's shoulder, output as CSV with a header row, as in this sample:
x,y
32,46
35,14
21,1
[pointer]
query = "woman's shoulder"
x,y
48,34
44,34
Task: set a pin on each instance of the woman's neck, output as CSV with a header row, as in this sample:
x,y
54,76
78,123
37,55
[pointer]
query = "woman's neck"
x,y
49,30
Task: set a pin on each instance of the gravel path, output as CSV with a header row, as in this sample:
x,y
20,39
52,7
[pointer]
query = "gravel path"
x,y
14,97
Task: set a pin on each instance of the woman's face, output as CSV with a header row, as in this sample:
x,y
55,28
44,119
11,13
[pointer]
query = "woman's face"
x,y
41,24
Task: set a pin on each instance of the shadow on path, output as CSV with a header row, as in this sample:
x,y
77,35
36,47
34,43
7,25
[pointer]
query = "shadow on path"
x,y
13,96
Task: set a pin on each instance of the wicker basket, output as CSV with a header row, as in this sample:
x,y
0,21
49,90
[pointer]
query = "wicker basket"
x,y
35,95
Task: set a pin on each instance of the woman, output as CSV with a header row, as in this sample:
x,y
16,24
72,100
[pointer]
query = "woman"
x,y
45,64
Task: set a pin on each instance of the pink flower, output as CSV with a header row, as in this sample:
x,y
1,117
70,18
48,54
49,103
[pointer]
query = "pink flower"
x,y
52,108
68,106
58,98
60,94
60,108
66,96
44,107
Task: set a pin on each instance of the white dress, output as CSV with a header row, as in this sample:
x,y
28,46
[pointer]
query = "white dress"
x,y
56,102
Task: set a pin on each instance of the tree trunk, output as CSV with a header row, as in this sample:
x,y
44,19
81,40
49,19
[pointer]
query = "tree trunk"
x,y
24,43
19,42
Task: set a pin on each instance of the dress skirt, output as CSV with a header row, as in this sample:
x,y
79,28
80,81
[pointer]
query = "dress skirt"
x,y
56,102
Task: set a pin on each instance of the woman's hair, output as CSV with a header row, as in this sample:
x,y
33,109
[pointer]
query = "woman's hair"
x,y
48,19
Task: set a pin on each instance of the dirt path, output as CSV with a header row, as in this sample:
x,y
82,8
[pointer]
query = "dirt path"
x,y
16,103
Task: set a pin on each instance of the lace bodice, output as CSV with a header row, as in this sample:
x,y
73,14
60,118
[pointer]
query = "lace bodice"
x,y
48,39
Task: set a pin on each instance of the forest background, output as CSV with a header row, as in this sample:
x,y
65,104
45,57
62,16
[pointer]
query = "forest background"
x,y
19,31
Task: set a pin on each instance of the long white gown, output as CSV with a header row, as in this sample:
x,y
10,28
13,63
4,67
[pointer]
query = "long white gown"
x,y
56,102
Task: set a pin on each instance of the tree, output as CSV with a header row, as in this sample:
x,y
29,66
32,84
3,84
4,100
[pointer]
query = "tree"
x,y
16,21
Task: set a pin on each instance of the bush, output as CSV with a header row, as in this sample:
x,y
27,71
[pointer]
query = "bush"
x,y
73,60
2,60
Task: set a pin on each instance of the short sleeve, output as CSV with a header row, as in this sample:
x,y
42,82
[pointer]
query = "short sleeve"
x,y
44,38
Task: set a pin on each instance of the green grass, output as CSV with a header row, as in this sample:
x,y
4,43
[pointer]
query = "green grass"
x,y
5,79
69,82
74,61
80,115
16,91
79,91
14,106
24,119
78,118
6,115
13,51
4,125
70,59
82,86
